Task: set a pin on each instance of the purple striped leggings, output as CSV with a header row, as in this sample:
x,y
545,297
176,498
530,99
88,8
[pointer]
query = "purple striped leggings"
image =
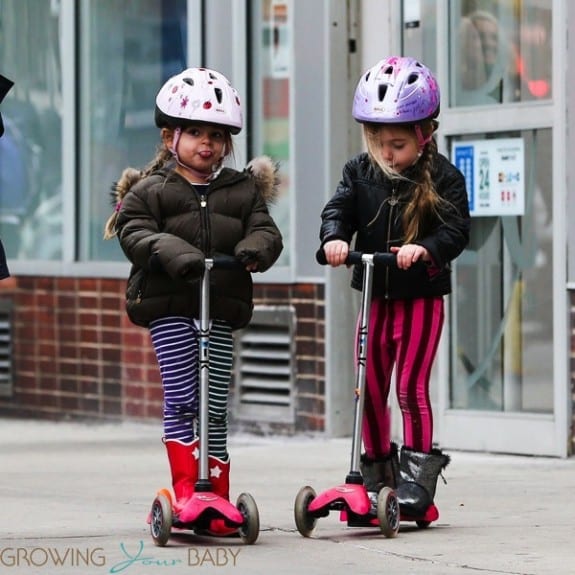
x,y
404,333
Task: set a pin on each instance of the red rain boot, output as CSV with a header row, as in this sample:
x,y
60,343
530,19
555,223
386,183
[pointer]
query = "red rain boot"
x,y
184,468
219,472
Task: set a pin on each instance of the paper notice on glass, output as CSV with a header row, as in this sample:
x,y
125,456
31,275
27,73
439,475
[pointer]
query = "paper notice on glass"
x,y
494,173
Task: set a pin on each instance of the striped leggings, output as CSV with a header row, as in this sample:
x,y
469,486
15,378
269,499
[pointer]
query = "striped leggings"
x,y
175,341
405,334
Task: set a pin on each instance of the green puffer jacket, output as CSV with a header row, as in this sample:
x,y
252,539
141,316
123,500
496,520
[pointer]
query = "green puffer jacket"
x,y
166,228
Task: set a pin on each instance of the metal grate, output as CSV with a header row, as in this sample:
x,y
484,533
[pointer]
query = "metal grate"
x,y
6,380
264,366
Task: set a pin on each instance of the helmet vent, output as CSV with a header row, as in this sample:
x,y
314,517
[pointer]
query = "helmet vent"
x,y
219,94
388,70
213,76
382,91
189,81
412,78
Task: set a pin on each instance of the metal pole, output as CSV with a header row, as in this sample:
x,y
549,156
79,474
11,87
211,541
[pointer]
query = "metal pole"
x,y
367,261
204,353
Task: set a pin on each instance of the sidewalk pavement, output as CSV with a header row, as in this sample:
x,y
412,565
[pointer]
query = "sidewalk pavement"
x,y
74,499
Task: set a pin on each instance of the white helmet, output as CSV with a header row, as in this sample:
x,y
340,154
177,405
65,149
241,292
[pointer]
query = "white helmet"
x,y
199,95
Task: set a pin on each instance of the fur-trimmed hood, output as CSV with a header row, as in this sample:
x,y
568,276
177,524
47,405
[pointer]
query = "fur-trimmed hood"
x,y
166,230
262,169
265,173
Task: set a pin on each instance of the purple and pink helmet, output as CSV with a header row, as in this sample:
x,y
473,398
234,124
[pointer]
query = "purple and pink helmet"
x,y
396,90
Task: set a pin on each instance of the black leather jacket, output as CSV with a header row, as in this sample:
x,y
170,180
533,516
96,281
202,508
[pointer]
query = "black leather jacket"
x,y
370,205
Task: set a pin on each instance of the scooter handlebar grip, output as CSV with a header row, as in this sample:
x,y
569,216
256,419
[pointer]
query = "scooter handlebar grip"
x,y
320,257
384,259
353,258
227,262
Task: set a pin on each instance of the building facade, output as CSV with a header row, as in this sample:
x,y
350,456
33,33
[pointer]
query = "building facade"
x,y
82,110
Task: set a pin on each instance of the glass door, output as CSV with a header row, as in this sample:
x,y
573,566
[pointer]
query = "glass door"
x,y
502,353
502,379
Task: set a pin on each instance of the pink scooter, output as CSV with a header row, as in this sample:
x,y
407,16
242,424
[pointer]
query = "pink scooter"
x,y
351,498
205,505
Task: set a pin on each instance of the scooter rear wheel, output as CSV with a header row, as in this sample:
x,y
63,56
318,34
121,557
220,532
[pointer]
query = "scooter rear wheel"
x,y
388,513
250,529
161,520
304,521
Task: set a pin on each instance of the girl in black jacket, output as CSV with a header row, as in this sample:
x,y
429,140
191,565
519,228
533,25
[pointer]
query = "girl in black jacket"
x,y
403,197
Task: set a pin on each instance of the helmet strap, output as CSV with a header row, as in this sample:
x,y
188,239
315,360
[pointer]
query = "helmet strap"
x,y
421,139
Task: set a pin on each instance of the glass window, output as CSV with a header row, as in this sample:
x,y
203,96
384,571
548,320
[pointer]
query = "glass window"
x,y
130,49
500,51
31,148
419,31
270,104
503,330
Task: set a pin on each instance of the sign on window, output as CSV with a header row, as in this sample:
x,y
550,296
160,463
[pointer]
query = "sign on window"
x,y
494,172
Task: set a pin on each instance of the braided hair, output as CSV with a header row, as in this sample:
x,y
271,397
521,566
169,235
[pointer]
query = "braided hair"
x,y
128,178
425,203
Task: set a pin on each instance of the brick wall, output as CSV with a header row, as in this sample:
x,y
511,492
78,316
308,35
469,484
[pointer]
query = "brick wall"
x,y
77,355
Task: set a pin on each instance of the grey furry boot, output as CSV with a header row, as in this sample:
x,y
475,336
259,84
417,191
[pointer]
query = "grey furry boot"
x,y
419,473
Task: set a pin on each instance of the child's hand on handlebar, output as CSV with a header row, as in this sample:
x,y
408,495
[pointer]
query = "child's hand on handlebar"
x,y
408,254
336,252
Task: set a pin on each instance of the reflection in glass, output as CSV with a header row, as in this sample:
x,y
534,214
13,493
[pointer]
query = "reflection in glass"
x,y
31,148
270,112
419,31
132,48
502,346
501,51
478,348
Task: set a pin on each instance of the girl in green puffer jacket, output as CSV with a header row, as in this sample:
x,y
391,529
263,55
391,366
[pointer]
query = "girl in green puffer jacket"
x,y
184,207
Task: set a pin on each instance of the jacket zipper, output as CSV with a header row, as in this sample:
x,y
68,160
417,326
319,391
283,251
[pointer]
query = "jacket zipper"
x,y
392,203
141,286
205,222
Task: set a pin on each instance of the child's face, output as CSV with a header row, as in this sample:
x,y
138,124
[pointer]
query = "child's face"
x,y
200,147
397,146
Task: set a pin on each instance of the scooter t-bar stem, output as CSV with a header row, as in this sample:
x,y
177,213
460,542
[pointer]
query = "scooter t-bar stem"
x,y
368,261
204,360
217,262
362,338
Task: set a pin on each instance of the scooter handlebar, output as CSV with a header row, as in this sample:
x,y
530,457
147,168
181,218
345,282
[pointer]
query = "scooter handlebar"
x,y
353,258
226,262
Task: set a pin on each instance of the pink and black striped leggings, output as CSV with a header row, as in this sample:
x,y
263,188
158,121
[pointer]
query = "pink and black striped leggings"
x,y
405,334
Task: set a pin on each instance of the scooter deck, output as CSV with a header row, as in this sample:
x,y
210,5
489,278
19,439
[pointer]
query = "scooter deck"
x,y
370,520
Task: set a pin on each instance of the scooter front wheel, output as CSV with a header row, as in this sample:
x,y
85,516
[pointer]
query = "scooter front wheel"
x,y
250,528
161,520
388,513
304,521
